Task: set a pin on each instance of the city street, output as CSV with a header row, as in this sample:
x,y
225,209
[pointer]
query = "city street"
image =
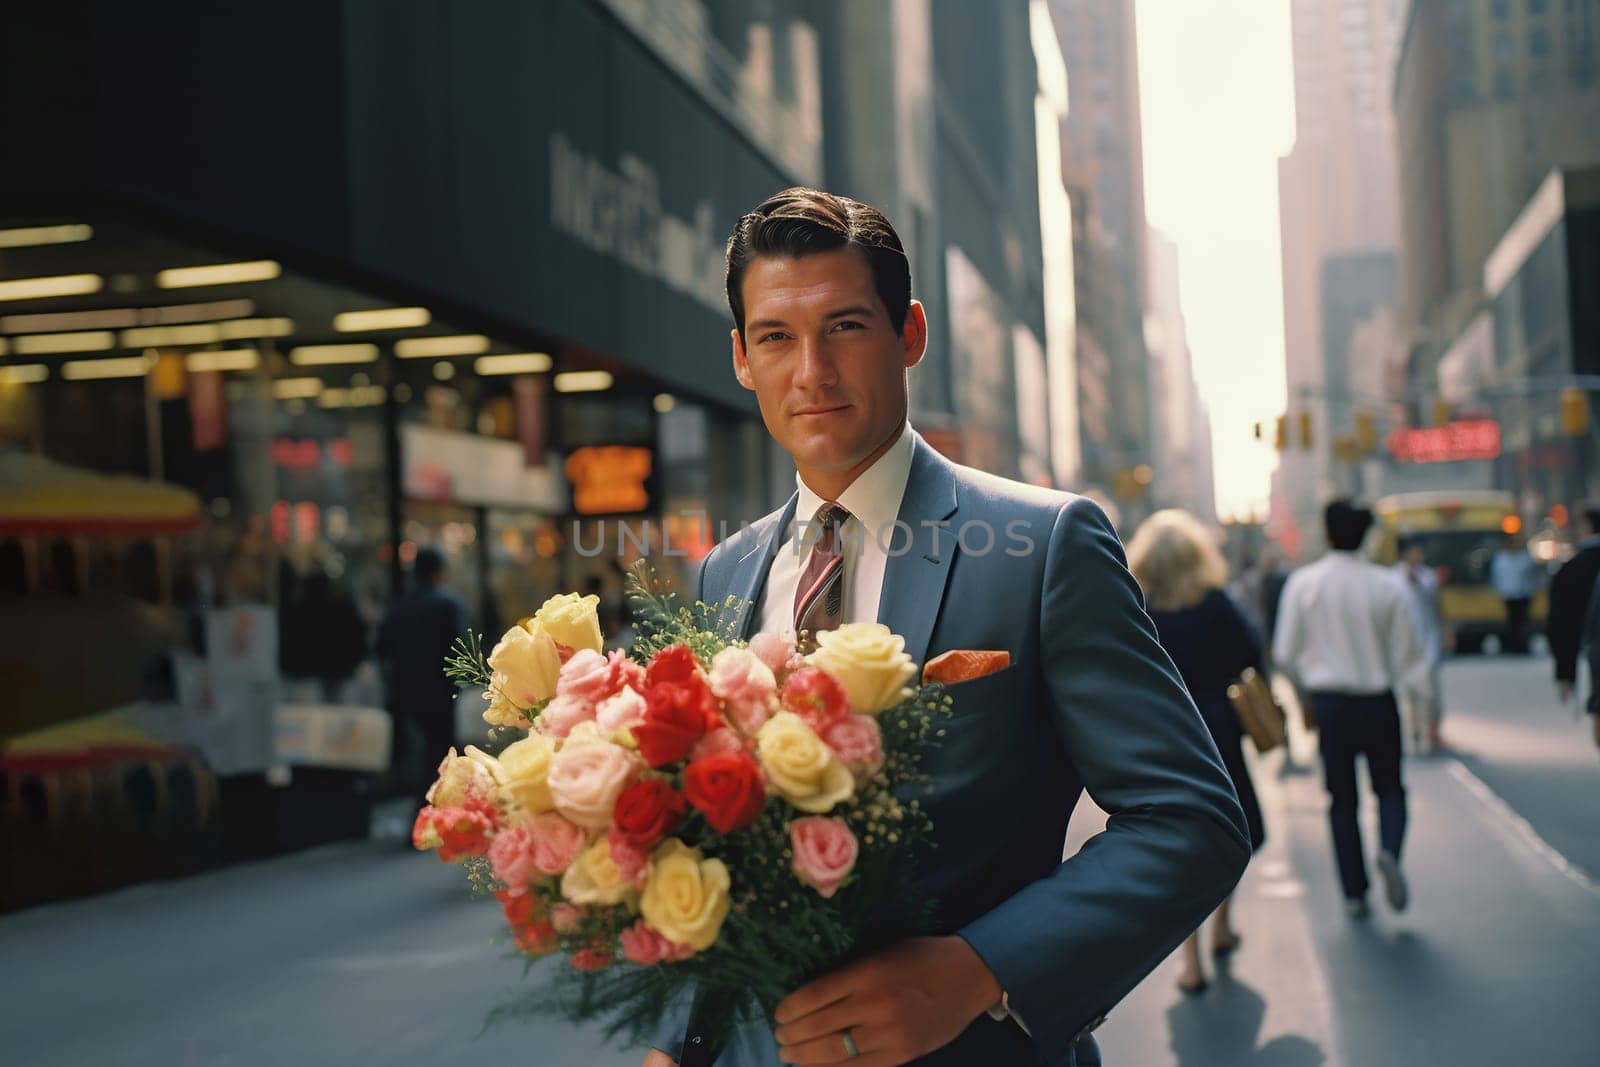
x,y
368,953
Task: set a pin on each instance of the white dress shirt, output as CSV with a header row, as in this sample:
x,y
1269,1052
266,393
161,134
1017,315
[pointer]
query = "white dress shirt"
x,y
1347,626
873,501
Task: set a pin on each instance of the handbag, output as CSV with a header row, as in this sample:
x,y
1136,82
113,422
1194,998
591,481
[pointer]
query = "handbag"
x,y
1259,713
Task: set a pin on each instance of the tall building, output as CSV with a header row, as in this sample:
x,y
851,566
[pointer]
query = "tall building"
x,y
1337,199
944,138
1181,428
1103,169
1489,96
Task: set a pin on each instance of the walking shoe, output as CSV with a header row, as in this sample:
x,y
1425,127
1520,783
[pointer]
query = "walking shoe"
x,y
1394,882
1356,907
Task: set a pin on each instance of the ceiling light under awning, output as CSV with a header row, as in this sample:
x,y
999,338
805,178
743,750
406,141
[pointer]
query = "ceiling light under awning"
x,y
55,285
381,319
428,347
256,270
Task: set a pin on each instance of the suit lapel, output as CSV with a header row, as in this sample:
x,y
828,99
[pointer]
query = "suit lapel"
x,y
750,572
914,580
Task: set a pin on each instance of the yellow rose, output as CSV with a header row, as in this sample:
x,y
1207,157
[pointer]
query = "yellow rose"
x,y
473,775
573,620
800,766
526,665
524,775
594,879
869,660
685,895
501,711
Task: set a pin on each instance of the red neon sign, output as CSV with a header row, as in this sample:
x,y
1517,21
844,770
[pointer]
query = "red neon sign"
x,y
1468,439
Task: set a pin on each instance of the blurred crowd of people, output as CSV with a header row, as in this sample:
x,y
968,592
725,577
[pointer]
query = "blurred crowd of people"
x,y
1358,647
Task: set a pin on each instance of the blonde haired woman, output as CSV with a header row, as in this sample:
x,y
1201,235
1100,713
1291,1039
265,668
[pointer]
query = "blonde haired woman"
x,y
1176,562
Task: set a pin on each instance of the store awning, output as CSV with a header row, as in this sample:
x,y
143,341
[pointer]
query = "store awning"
x,y
39,497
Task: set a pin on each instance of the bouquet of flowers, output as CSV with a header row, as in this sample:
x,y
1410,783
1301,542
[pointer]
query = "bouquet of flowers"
x,y
728,817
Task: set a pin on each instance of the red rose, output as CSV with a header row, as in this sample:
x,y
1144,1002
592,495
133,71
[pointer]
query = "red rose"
x,y
727,790
463,831
523,909
675,664
816,696
646,811
675,717
537,938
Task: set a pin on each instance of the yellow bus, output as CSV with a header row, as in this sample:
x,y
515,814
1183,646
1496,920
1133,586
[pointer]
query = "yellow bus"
x,y
1459,531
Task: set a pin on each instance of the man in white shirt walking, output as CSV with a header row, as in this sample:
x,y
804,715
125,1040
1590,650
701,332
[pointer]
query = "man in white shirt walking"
x,y
1348,639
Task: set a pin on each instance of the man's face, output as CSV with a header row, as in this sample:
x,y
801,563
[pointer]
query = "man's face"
x,y
826,364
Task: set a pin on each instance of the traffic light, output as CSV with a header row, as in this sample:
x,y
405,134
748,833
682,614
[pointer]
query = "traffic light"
x,y
1441,411
1366,432
1305,430
1574,412
1281,439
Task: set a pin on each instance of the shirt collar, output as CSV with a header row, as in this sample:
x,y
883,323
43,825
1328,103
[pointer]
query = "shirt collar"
x,y
874,497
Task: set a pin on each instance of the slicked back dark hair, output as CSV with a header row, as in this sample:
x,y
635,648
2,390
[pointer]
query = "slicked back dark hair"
x,y
798,222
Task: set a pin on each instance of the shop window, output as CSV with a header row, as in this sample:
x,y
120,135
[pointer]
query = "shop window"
x,y
1500,9
1539,41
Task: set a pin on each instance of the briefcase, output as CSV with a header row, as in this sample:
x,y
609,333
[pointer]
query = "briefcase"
x,y
1259,714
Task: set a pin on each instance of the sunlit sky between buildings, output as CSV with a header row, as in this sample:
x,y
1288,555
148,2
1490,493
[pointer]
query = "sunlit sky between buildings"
x,y
1217,94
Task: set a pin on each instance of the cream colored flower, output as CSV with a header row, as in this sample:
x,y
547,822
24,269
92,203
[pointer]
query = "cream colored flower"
x,y
573,620
501,710
594,879
472,775
587,775
870,661
526,664
525,775
800,766
685,895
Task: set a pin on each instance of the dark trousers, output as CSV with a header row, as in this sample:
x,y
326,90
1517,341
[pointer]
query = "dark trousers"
x,y
1350,726
1516,635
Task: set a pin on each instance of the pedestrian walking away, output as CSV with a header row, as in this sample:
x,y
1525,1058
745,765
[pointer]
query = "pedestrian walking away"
x,y
1211,642
1348,639
1570,593
416,636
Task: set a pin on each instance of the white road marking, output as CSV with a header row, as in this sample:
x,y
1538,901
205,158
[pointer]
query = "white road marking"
x,y
1517,827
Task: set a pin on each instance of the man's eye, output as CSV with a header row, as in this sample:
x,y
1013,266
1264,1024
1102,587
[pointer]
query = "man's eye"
x,y
847,324
775,335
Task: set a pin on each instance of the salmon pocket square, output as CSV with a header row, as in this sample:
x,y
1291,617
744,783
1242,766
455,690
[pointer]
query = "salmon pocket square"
x,y
963,665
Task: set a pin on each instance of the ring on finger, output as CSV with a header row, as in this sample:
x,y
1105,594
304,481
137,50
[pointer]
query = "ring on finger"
x,y
850,1050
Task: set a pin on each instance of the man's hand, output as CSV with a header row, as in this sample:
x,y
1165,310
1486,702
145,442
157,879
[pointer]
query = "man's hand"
x,y
901,1003
657,1058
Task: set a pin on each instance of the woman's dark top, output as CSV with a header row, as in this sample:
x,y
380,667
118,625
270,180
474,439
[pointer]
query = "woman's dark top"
x,y
1211,644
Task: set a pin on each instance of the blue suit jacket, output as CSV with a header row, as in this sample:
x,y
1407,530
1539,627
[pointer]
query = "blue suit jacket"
x,y
1090,702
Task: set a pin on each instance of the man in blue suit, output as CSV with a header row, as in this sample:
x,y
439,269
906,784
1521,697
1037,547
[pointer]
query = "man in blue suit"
x,y
1029,952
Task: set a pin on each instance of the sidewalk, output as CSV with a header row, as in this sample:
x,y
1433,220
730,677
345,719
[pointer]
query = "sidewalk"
x,y
1494,963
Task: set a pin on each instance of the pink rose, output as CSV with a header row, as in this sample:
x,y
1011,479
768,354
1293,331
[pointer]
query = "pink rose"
x,y
623,711
773,649
565,917
856,741
554,842
746,685
646,947
563,713
625,674
587,677
630,860
824,852
586,779
720,742
511,858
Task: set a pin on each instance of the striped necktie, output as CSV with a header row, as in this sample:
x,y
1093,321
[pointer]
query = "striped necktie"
x,y
819,597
